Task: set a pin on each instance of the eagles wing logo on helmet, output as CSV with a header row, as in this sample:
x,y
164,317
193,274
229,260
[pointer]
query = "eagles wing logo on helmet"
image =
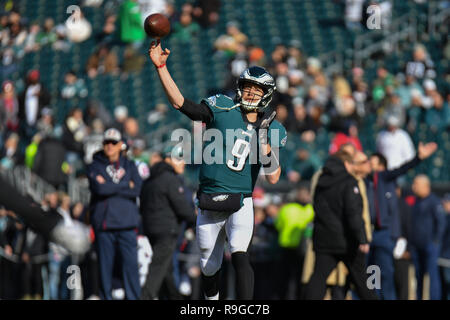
x,y
260,77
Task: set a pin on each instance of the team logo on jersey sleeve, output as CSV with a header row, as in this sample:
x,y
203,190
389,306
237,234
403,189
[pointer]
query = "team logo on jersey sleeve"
x,y
143,170
212,100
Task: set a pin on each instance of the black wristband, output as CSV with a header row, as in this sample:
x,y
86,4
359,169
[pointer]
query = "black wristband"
x,y
269,155
273,160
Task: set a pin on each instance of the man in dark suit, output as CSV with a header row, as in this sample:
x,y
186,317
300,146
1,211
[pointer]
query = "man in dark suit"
x,y
383,204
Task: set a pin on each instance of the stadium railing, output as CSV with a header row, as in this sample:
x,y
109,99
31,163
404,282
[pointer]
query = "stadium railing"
x,y
30,184
27,182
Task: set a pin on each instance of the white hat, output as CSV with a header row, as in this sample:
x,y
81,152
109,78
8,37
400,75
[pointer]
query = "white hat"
x,y
295,73
138,144
393,121
314,62
120,112
112,135
297,101
46,111
429,84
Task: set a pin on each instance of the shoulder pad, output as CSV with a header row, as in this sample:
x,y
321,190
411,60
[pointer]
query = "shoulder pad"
x,y
212,101
219,101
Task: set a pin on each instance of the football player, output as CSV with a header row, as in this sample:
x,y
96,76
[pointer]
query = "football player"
x,y
225,191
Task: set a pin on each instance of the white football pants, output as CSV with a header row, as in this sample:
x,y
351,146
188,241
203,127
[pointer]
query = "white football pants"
x,y
214,227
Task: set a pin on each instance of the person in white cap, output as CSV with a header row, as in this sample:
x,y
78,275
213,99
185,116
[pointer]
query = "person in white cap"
x,y
395,144
430,89
120,115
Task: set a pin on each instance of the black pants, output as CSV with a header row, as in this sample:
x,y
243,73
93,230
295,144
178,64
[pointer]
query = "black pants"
x,y
291,268
160,270
401,272
90,274
10,277
325,263
339,292
32,279
264,285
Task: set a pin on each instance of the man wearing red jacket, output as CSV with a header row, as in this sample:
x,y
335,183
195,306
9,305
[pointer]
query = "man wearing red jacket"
x,y
348,135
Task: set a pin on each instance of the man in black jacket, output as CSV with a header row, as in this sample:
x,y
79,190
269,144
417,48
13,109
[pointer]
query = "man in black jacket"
x,y
339,233
48,163
163,207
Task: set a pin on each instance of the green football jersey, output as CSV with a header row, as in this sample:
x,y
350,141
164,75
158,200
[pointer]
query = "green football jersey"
x,y
235,165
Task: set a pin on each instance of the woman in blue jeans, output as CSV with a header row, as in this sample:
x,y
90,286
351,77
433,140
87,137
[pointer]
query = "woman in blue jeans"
x,y
59,260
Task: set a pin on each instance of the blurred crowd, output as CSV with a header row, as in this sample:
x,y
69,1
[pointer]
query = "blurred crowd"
x,y
309,103
33,268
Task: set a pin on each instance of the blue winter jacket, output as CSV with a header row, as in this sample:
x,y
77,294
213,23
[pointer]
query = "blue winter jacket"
x,y
113,203
428,222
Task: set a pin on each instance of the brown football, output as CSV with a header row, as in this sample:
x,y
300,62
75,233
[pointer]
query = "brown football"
x,y
157,25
